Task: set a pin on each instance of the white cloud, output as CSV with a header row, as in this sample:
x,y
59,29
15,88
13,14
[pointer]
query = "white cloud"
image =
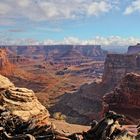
x,y
4,8
107,42
104,41
51,29
97,8
111,41
133,7
6,22
41,10
23,3
16,30
9,41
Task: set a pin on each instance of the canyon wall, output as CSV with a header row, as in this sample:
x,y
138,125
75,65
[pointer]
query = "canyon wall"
x,y
3,59
5,66
87,103
125,97
59,53
135,49
117,65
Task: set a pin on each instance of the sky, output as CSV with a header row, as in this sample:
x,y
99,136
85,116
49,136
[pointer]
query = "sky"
x,y
104,22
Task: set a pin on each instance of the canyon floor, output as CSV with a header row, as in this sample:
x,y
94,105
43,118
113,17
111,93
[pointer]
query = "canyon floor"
x,y
49,81
67,128
23,116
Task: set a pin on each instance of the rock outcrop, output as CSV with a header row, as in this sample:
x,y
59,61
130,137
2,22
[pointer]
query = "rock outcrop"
x,y
125,97
134,49
21,102
117,65
5,66
5,83
3,59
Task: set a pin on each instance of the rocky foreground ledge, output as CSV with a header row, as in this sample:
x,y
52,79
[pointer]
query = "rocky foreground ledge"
x,y
19,101
22,117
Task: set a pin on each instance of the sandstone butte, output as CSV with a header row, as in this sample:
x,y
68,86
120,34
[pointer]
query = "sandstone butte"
x,y
20,101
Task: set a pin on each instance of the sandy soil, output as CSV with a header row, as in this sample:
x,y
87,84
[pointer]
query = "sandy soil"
x,y
67,128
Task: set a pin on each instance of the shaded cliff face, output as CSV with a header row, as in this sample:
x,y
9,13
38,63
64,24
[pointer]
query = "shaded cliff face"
x,y
134,49
90,95
84,105
117,65
125,98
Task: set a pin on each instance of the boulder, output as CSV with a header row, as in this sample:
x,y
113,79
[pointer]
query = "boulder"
x,y
5,83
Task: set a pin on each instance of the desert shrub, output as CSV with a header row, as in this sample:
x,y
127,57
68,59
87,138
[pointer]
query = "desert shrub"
x,y
59,116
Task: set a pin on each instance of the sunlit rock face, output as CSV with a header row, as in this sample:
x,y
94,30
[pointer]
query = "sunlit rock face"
x,y
19,101
3,58
5,66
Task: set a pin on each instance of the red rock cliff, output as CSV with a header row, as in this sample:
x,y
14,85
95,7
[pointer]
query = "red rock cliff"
x,y
125,98
118,65
6,67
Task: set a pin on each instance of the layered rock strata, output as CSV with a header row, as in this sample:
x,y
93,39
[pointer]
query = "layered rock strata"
x,y
21,102
125,98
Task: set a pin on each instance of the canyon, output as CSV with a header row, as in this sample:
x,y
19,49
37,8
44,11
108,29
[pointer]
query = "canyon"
x,y
58,60
72,79
59,53
125,97
88,102
53,70
22,116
